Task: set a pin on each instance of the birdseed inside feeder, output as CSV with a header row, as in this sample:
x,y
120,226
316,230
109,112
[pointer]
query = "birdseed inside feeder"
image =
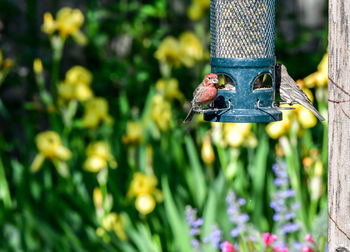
x,y
243,55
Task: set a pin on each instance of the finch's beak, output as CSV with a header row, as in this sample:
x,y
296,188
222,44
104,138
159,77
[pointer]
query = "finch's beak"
x,y
215,81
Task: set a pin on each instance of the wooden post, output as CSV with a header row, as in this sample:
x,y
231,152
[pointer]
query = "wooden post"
x,y
339,126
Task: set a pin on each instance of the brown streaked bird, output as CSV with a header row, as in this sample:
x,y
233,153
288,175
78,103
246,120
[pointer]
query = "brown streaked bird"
x,y
204,94
291,93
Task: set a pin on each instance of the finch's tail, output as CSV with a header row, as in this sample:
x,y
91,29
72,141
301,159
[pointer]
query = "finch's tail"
x,y
189,115
313,110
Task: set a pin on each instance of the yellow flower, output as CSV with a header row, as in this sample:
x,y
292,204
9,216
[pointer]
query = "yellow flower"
x,y
195,12
97,197
191,48
37,66
316,188
114,222
96,110
50,146
145,204
69,21
235,133
307,162
82,92
322,69
279,128
169,51
76,84
98,148
320,77
8,63
95,164
161,112
66,91
98,154
318,169
69,91
78,75
204,4
143,187
134,133
207,151
198,8
306,117
142,184
170,88
49,26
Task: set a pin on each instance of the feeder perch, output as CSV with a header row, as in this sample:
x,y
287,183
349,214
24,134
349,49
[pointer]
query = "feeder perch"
x,y
242,54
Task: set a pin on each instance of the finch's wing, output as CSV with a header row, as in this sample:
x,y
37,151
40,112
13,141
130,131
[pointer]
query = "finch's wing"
x,y
197,93
298,93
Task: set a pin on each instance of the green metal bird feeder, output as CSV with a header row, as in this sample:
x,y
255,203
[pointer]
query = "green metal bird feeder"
x,y
243,55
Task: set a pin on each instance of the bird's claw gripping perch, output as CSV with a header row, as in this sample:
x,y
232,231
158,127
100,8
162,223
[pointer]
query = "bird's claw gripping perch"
x,y
215,110
276,104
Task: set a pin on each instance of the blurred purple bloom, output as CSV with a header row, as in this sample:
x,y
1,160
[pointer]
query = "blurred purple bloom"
x,y
241,201
283,203
214,237
194,224
235,216
290,215
234,232
289,228
297,245
243,218
276,217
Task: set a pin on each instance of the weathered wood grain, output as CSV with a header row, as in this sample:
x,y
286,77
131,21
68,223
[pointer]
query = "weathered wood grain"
x,y
339,126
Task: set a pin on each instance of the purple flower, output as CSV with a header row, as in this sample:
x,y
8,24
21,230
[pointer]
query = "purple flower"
x,y
283,202
214,237
289,228
241,201
297,245
194,224
234,214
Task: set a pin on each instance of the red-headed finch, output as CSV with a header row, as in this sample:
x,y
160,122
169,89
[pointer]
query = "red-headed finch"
x,y
204,94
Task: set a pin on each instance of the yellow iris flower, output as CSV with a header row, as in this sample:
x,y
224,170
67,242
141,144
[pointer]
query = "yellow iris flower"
x,y
50,147
191,49
207,152
143,187
134,133
98,156
76,84
96,111
161,112
170,89
112,222
235,134
37,66
186,50
67,23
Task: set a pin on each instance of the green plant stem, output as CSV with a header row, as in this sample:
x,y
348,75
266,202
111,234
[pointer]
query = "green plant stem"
x,y
57,44
4,189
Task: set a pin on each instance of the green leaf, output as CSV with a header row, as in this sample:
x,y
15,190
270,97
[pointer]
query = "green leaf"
x,y
177,221
199,185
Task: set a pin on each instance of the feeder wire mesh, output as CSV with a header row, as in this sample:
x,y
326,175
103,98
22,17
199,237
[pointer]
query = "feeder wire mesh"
x,y
242,28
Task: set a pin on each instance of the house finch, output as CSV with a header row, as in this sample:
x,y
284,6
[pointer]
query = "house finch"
x,y
291,93
204,94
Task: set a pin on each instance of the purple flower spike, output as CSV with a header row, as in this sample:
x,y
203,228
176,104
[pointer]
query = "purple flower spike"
x,y
283,203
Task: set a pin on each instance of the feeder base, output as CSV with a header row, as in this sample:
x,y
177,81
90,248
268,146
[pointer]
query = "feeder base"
x,y
244,115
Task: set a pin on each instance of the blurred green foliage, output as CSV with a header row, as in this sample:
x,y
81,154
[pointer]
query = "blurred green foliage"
x,y
78,198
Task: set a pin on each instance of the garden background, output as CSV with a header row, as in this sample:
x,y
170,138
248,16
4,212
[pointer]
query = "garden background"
x,y
93,152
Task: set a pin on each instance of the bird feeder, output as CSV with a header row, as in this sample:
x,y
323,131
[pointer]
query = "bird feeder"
x,y
242,54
